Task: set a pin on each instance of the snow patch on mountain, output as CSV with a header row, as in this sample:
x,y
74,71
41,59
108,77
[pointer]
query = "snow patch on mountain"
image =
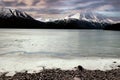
x,y
8,13
44,20
76,16
90,16
86,16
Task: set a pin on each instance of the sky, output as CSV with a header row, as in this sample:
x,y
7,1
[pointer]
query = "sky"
x,y
61,8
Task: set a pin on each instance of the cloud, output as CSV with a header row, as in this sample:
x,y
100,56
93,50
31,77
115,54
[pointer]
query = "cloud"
x,y
51,11
104,8
62,6
109,13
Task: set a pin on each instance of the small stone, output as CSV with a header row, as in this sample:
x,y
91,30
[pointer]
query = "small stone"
x,y
76,78
80,68
118,66
114,62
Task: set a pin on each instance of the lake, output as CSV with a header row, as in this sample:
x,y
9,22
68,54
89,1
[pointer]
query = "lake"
x,y
60,43
30,49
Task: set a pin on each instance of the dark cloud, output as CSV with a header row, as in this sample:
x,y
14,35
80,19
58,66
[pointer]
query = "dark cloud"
x,y
63,6
51,11
68,5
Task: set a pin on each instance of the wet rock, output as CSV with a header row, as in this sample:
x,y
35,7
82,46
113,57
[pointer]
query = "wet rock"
x,y
114,62
80,68
118,66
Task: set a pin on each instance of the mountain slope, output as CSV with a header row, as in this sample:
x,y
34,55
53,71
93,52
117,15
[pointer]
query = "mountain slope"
x,y
76,24
9,13
17,19
91,16
113,27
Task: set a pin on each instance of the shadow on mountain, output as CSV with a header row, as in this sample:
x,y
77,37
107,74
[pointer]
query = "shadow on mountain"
x,y
75,24
113,27
17,19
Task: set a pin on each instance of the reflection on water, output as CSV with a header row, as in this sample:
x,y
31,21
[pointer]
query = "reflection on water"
x,y
60,43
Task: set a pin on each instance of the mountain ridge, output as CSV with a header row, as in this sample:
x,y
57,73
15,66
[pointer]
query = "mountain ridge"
x,y
7,13
10,18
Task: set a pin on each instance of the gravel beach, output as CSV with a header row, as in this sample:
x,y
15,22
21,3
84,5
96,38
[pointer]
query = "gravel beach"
x,y
58,74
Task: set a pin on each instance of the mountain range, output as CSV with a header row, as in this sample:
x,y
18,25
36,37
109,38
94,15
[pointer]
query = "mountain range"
x,y
10,18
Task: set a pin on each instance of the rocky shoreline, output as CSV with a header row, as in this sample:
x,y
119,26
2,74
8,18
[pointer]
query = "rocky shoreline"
x,y
58,74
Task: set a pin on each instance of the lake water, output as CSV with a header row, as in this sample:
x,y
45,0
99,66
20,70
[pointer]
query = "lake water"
x,y
60,43
30,49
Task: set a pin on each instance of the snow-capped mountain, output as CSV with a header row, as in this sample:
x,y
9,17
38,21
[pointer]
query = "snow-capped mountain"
x,y
8,13
17,19
90,16
86,16
83,20
12,18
